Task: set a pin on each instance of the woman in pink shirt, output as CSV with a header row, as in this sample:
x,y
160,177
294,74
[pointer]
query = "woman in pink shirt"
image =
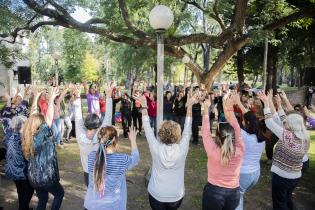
x,y
225,156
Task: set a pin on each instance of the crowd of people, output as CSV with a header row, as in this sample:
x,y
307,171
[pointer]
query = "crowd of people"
x,y
39,121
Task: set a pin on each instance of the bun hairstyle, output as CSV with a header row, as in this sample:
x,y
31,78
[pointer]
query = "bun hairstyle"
x,y
92,121
170,132
107,136
225,140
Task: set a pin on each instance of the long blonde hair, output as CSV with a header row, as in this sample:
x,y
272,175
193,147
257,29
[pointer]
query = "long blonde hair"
x,y
30,129
225,140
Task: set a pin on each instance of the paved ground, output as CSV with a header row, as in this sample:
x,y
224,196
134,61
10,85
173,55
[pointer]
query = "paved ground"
x,y
195,178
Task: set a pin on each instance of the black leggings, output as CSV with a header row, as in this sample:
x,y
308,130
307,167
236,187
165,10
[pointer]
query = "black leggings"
x,y
157,205
25,193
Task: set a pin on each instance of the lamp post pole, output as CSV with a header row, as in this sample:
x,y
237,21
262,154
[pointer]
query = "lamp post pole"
x,y
160,77
161,18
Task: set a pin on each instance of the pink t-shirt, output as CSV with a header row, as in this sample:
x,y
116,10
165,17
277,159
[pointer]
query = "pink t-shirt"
x,y
219,174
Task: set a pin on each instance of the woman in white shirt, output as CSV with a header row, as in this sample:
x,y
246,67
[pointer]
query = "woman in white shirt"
x,y
169,150
250,169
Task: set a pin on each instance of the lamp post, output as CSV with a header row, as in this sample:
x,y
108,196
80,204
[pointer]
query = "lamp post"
x,y
161,18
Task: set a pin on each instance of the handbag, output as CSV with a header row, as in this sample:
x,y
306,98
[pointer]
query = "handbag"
x,y
42,170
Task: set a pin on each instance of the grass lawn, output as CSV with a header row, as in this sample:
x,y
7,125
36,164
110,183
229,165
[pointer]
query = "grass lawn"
x,y
195,178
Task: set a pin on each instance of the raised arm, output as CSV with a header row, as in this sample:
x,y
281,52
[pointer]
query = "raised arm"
x,y
109,106
86,88
286,101
239,104
228,103
188,122
270,123
271,105
36,96
134,158
205,129
50,111
149,133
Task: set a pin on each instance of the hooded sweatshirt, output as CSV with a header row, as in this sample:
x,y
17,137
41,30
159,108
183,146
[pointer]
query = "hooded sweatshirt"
x,y
168,163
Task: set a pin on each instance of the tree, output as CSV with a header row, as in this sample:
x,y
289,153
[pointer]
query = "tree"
x,y
90,69
74,51
124,23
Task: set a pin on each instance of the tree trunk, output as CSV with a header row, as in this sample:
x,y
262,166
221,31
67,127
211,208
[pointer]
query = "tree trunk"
x,y
291,76
240,59
272,68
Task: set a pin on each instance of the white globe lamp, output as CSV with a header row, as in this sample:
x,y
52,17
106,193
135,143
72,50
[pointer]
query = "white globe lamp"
x,y
161,17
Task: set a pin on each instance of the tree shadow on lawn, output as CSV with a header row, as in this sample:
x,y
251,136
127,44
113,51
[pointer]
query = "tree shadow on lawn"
x,y
71,174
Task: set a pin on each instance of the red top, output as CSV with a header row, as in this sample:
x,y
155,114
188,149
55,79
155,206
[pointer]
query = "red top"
x,y
102,105
152,106
43,105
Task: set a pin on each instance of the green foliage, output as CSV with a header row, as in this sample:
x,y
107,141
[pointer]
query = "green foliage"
x,y
90,69
74,48
9,55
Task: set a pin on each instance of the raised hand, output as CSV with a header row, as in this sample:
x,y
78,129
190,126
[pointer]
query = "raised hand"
x,y
206,104
278,100
54,92
262,96
132,134
228,102
109,89
192,100
142,99
283,95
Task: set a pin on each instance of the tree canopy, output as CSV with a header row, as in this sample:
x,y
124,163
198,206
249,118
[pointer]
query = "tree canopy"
x,y
220,27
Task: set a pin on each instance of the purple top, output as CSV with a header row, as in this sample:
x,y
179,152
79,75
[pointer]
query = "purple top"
x,y
311,122
93,103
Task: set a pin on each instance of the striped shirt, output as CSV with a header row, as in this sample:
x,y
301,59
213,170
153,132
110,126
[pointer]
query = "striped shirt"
x,y
115,194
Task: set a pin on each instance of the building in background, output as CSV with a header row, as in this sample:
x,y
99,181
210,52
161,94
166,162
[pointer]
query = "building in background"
x,y
18,73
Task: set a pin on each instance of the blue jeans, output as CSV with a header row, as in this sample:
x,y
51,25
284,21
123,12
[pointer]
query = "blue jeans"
x,y
220,198
247,181
56,129
42,193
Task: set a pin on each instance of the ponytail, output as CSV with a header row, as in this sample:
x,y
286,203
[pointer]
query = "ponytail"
x,y
227,150
100,169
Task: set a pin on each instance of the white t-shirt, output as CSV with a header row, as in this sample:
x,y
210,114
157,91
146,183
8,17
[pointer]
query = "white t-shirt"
x,y
252,155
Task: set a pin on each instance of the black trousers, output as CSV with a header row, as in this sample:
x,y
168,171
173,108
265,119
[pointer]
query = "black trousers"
x,y
137,119
157,205
196,121
25,193
220,198
73,129
56,190
2,153
269,147
282,189
126,122
86,179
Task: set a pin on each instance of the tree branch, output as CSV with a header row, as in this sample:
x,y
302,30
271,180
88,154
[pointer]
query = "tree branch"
x,y
288,19
238,20
124,11
215,16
